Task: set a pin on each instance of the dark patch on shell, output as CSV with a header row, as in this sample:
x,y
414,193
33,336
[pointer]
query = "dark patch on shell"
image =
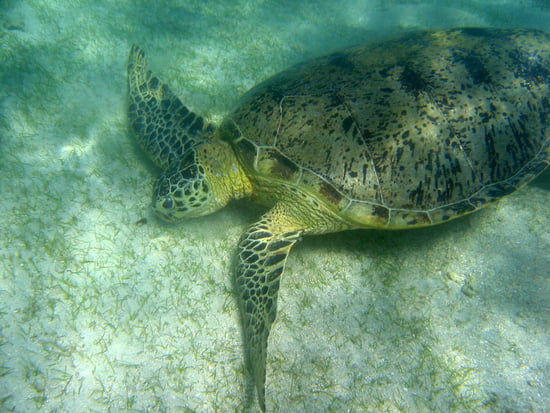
x,y
475,67
420,218
530,68
413,81
347,123
282,167
382,212
330,193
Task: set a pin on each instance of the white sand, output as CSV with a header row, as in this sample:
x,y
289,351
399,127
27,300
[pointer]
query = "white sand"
x,y
99,313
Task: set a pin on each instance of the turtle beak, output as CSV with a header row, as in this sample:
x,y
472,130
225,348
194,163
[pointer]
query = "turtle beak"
x,y
166,218
165,215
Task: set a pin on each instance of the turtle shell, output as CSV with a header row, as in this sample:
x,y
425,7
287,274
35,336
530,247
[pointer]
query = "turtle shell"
x,y
409,132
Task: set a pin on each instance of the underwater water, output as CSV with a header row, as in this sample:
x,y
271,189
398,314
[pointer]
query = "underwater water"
x,y
105,308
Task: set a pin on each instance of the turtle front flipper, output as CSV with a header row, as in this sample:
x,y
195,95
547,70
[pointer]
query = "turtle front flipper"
x,y
164,127
263,251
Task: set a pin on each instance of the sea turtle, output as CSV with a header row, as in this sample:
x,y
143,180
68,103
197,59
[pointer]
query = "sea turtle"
x,y
410,132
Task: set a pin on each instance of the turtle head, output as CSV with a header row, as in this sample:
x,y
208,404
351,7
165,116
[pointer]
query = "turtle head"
x,y
203,181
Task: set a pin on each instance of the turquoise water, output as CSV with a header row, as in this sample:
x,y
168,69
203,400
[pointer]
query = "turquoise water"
x,y
104,308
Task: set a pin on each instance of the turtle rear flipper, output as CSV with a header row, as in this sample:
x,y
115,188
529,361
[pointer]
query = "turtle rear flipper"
x,y
263,251
164,127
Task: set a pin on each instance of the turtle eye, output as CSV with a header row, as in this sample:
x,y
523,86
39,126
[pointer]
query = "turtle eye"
x,y
168,203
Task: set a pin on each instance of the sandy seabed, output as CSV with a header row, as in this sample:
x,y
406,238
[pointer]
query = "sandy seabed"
x,y
105,308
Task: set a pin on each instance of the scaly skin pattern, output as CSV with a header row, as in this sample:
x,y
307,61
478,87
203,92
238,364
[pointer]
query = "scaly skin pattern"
x,y
165,129
200,172
263,251
406,133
